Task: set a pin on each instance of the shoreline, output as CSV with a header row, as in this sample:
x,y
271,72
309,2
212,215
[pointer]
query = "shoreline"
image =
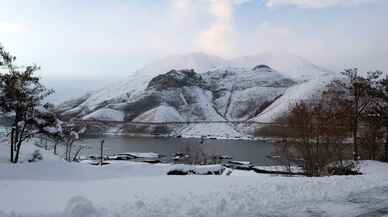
x,y
169,136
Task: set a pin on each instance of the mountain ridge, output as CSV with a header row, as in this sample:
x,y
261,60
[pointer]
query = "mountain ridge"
x,y
207,88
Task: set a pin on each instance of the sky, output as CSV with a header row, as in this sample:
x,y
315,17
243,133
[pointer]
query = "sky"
x,y
83,44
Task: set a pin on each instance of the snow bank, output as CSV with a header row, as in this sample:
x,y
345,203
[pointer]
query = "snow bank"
x,y
80,207
141,154
26,152
197,170
246,195
53,188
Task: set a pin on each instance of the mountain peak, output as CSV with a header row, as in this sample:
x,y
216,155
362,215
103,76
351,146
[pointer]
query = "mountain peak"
x,y
200,62
176,79
262,66
289,65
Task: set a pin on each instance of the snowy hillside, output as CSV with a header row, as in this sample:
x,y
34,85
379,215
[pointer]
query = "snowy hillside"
x,y
138,81
301,91
240,93
289,65
161,113
208,89
105,114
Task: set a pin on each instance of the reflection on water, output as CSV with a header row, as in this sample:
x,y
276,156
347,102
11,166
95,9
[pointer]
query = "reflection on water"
x,y
244,150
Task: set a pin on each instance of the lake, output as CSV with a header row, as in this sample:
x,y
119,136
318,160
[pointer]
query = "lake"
x,y
242,150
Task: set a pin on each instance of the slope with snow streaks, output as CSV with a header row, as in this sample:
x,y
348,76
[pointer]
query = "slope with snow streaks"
x,y
161,113
200,107
105,114
240,92
303,91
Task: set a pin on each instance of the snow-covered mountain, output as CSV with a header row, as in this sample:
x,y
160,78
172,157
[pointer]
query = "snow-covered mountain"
x,y
289,65
136,83
201,87
240,94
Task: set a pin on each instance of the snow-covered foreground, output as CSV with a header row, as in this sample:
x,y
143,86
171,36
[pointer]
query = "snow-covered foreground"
x,y
52,187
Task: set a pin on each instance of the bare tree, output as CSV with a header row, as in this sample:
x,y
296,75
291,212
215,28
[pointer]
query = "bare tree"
x,y
371,137
70,134
378,112
303,140
284,154
334,124
315,133
355,90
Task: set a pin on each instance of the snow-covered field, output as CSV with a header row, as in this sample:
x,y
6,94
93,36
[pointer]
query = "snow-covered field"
x,y
52,187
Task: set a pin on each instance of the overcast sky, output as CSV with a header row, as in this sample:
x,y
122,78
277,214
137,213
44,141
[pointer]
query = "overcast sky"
x,y
104,40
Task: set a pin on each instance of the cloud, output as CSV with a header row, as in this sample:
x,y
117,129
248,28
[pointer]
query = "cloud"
x,y
210,21
281,38
121,35
315,3
217,39
6,27
270,37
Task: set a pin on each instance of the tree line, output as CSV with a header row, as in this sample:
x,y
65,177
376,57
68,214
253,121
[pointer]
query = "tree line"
x,y
349,120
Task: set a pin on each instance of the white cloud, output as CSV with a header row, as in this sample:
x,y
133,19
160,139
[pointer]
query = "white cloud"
x,y
6,27
276,38
217,39
212,21
315,3
123,36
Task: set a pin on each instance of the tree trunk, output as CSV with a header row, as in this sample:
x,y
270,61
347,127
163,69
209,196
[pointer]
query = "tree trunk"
x,y
12,144
355,141
102,151
66,150
77,153
69,158
17,152
386,147
55,147
16,138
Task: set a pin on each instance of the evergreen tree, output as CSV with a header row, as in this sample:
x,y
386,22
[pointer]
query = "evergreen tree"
x,y
21,96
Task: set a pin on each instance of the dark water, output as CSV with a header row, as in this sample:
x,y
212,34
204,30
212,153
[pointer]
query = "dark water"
x,y
243,150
